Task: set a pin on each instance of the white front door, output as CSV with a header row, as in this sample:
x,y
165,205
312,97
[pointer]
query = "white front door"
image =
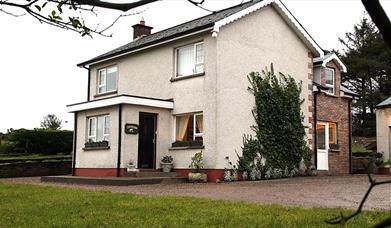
x,y
322,141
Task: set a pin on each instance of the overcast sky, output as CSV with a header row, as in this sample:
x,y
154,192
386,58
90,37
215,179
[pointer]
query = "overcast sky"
x,y
38,62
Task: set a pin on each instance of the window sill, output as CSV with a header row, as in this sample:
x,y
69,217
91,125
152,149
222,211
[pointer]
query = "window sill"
x,y
178,78
105,94
186,147
334,150
96,148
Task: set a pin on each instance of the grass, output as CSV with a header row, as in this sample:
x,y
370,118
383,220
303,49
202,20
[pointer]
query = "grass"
x,y
35,157
360,149
41,206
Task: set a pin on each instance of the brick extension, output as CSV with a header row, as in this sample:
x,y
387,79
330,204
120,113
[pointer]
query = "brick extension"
x,y
336,109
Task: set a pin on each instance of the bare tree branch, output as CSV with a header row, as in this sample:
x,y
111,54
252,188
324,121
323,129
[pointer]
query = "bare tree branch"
x,y
115,6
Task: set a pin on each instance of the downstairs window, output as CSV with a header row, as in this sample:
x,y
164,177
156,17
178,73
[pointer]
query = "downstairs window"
x,y
189,130
98,128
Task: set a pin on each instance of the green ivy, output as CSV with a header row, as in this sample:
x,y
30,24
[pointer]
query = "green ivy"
x,y
279,130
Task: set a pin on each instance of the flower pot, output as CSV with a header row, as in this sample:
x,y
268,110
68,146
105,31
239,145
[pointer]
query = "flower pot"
x,y
197,177
166,167
383,170
131,168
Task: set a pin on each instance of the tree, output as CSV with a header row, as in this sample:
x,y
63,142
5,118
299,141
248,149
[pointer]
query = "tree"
x,y
70,14
52,122
368,59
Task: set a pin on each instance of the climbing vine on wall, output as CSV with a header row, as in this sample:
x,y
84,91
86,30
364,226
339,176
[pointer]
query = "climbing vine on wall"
x,y
279,129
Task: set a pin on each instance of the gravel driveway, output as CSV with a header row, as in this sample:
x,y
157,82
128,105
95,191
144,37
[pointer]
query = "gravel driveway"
x,y
337,191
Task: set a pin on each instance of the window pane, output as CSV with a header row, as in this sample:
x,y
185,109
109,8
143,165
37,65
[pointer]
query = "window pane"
x,y
183,124
102,81
185,60
111,79
199,53
321,136
91,129
100,128
199,124
333,133
329,77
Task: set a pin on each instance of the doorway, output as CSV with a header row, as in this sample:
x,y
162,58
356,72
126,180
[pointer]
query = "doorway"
x,y
147,140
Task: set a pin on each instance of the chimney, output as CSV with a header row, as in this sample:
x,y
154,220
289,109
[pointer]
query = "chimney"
x,y
141,29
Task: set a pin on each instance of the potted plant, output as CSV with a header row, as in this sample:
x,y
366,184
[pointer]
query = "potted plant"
x,y
166,164
384,168
131,167
197,164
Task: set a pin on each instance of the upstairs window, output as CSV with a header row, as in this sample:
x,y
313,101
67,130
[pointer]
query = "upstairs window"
x,y
98,128
189,127
330,80
107,79
190,60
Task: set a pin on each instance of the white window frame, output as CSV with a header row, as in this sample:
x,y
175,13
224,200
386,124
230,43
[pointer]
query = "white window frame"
x,y
195,135
195,59
105,134
105,79
331,86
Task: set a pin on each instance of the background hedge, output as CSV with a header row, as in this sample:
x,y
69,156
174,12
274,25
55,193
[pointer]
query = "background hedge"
x,y
39,141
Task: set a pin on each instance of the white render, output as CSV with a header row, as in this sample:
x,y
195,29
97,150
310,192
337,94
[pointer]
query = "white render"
x,y
248,44
383,131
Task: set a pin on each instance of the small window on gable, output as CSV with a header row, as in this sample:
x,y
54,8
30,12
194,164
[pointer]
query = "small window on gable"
x,y
189,127
107,79
98,128
190,60
330,80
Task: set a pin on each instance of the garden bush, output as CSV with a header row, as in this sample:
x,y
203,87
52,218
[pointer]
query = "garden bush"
x,y
41,141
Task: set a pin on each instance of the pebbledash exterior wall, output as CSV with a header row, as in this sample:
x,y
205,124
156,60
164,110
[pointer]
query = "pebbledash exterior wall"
x,y
383,131
248,44
335,108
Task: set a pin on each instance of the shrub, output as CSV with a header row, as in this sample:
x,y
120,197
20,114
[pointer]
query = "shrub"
x,y
6,147
41,141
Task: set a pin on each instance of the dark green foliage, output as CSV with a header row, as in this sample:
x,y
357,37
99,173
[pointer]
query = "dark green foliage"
x,y
278,125
52,122
250,153
41,141
368,59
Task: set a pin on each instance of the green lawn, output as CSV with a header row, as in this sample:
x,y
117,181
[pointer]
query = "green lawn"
x,y
38,206
360,149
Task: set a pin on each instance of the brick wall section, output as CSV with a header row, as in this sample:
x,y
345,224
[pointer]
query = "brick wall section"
x,y
336,109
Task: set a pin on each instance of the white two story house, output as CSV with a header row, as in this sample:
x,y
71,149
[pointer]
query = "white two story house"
x,y
184,90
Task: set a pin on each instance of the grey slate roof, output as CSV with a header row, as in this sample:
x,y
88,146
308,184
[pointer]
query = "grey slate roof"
x,y
385,103
348,91
182,29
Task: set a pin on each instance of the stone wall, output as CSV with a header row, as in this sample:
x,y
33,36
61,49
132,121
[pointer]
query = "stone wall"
x,y
29,169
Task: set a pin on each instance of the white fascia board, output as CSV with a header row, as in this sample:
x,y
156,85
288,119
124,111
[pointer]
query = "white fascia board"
x,y
149,46
121,100
284,12
336,58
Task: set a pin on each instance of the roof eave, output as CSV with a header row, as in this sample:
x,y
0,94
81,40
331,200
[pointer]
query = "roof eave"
x,y
286,15
148,45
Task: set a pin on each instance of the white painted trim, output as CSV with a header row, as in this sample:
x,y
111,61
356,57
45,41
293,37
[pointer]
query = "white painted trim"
x,y
331,86
150,46
121,100
328,59
289,18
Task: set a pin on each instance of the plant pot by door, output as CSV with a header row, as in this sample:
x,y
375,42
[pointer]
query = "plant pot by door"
x,y
166,167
